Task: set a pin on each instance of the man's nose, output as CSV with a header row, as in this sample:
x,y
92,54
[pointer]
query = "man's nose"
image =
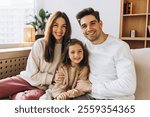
x,y
88,28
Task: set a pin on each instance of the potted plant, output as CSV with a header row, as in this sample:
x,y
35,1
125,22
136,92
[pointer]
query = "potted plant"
x,y
39,22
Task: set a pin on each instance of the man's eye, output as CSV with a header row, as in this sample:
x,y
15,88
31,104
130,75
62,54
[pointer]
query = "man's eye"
x,y
93,23
83,26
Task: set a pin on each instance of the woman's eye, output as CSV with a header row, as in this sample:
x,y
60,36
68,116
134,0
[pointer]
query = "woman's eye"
x,y
55,24
83,26
64,26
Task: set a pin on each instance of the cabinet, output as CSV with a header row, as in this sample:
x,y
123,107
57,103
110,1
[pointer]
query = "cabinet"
x,y
134,23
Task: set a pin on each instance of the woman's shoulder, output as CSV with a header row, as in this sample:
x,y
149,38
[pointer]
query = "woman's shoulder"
x,y
39,43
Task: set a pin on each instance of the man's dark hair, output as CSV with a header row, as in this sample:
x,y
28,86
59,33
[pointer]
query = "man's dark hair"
x,y
87,11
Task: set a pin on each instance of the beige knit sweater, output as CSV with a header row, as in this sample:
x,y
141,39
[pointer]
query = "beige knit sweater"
x,y
39,72
68,84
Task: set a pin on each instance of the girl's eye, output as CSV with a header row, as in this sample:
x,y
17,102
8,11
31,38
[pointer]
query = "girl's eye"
x,y
80,51
72,52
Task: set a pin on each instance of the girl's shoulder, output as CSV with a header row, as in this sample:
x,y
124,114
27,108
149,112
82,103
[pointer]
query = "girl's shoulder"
x,y
84,69
40,41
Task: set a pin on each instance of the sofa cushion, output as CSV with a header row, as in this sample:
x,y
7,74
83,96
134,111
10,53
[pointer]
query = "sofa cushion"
x,y
142,66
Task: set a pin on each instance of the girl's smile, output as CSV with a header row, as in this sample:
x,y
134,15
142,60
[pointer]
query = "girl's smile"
x,y
75,53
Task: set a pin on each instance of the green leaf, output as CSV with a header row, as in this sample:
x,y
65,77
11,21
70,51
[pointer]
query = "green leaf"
x,y
40,20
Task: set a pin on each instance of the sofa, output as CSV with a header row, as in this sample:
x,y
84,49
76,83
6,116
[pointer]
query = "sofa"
x,y
142,66
141,58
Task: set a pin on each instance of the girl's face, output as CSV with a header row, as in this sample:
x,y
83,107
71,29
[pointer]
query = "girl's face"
x,y
59,29
75,53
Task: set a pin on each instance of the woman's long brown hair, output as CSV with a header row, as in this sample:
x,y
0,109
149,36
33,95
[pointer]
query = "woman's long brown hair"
x,y
50,39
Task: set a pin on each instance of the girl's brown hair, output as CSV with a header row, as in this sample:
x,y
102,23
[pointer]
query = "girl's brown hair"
x,y
50,39
65,58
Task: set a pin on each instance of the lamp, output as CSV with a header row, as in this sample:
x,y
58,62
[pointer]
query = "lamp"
x,y
29,34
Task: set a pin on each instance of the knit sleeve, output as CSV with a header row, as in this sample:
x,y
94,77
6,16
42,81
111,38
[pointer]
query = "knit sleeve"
x,y
32,73
83,75
59,87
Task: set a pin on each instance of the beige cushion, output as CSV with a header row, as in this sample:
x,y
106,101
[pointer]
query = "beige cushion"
x,y
142,65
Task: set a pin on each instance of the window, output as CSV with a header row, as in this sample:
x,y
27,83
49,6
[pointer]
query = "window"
x,y
14,14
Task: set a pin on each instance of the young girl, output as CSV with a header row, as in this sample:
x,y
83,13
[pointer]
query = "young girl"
x,y
74,67
42,61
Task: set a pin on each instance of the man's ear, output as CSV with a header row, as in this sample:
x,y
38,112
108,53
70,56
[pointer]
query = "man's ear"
x,y
101,23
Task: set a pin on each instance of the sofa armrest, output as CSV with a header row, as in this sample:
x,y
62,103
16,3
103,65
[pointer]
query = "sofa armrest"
x,y
142,66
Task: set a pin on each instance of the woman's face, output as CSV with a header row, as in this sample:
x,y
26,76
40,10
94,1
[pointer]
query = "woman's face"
x,y
59,29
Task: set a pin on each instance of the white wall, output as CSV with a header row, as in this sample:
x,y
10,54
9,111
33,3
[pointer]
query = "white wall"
x,y
109,11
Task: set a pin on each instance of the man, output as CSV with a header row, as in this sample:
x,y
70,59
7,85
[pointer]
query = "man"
x,y
112,71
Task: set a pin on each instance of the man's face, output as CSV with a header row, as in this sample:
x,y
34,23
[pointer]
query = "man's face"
x,y
91,28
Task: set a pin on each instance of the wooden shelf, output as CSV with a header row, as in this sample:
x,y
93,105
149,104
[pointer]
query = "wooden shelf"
x,y
133,39
135,15
139,14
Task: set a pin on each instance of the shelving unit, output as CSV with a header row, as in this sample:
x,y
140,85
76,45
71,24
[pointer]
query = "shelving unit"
x,y
135,17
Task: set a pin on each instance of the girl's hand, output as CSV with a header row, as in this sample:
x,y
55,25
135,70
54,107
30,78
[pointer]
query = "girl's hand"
x,y
62,96
59,77
72,93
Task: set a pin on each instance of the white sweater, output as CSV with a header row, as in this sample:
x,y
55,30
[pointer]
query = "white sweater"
x,y
112,70
39,72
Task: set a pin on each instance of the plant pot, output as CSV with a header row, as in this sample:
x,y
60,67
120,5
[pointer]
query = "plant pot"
x,y
37,36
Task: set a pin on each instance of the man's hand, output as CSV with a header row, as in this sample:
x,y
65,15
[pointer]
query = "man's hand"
x,y
84,85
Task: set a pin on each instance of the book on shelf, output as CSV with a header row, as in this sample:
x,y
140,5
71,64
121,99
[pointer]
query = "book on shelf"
x,y
128,7
148,31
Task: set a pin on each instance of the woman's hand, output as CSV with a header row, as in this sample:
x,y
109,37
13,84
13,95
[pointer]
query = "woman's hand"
x,y
59,77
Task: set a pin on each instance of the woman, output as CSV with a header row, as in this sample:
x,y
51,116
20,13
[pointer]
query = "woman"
x,y
42,61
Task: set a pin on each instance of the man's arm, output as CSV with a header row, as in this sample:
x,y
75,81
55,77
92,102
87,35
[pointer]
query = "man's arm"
x,y
125,83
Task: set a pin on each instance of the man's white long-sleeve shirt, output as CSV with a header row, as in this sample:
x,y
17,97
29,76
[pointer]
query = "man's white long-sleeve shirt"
x,y
112,70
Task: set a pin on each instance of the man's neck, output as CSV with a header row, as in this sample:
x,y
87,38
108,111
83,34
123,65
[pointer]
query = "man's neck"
x,y
101,39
